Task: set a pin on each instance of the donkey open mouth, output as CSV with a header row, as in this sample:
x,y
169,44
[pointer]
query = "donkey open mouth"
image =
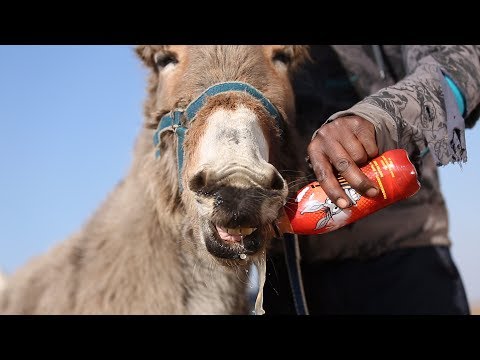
x,y
239,218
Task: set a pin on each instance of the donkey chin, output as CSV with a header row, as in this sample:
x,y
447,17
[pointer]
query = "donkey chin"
x,y
237,222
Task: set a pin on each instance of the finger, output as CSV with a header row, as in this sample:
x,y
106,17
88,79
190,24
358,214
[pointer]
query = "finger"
x,y
354,148
326,176
347,168
366,136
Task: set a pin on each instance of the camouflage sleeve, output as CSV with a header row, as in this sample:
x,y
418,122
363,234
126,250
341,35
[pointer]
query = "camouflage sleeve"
x,y
420,111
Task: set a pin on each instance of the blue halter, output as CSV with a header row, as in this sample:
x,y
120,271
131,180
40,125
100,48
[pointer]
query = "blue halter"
x,y
173,120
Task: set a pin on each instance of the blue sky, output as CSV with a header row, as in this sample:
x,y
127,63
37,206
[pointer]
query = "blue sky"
x,y
68,119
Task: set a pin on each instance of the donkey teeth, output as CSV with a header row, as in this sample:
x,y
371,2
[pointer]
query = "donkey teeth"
x,y
240,231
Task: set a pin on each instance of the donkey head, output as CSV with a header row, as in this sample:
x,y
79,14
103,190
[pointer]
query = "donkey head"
x,y
232,143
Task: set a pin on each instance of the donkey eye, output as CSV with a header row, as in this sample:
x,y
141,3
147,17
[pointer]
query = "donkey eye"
x,y
164,59
282,57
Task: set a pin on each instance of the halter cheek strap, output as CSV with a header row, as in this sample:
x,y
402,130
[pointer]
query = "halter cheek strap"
x,y
177,120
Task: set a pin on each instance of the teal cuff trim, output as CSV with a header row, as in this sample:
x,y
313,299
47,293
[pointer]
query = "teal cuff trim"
x,y
458,95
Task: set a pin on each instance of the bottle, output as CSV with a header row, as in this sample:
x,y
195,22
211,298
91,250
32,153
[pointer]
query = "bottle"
x,y
312,212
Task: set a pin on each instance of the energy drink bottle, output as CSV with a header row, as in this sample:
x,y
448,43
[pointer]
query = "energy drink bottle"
x,y
312,212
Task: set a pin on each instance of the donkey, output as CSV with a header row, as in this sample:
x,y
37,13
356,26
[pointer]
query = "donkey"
x,y
196,207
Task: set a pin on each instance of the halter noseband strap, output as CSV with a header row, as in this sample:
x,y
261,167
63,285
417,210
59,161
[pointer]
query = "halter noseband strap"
x,y
173,120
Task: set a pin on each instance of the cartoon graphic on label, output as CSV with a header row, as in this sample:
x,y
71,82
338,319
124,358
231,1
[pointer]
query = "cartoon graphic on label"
x,y
334,217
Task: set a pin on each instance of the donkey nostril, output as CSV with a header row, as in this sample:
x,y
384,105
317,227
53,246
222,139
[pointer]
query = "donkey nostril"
x,y
198,181
277,182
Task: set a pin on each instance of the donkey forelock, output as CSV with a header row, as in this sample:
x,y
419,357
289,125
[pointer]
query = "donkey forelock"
x,y
265,67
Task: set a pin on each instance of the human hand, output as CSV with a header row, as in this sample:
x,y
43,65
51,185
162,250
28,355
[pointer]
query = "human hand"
x,y
343,145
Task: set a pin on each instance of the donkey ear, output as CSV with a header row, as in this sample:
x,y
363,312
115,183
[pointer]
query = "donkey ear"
x,y
299,54
146,53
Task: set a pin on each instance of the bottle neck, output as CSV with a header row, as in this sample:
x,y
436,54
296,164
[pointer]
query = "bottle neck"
x,y
284,224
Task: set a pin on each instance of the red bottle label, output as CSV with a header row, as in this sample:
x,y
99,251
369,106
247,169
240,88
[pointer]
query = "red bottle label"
x,y
312,212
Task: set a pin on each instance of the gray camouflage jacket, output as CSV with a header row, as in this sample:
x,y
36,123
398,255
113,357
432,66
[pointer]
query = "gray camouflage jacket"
x,y
411,107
